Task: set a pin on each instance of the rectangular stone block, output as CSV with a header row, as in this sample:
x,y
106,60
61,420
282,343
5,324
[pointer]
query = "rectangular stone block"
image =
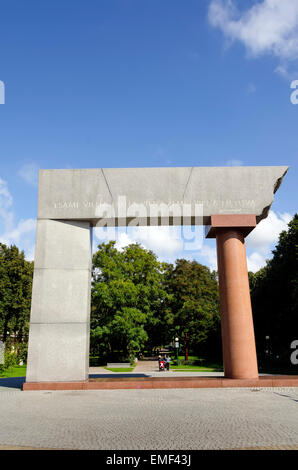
x,y
61,295
63,245
118,195
60,308
58,352
244,222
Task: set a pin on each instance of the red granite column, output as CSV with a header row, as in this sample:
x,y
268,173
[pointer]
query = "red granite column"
x,y
239,350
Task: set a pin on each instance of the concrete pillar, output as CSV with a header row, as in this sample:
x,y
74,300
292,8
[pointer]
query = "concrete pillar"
x,y
60,311
239,350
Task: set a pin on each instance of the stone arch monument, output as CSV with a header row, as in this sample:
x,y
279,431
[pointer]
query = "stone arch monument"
x,y
229,201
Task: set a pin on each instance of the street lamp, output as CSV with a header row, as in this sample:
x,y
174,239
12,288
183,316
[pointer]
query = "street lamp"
x,y
267,351
177,347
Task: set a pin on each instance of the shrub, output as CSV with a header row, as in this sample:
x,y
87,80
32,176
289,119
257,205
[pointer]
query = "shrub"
x,y
13,355
21,352
10,358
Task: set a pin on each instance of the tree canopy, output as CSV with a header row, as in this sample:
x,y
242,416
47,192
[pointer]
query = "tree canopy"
x,y
128,299
15,292
274,292
140,303
194,305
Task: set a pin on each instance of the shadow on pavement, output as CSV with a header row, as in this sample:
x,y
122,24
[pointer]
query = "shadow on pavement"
x,y
115,375
12,382
17,382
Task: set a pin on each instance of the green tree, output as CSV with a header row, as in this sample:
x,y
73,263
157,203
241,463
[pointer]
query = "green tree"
x,y
274,293
128,300
194,304
15,292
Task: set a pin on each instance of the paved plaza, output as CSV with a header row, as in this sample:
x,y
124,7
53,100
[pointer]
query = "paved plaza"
x,y
148,419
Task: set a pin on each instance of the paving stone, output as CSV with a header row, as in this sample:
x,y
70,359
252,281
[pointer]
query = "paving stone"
x,y
151,419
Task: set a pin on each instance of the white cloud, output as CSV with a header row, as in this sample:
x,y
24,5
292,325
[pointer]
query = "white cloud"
x,y
284,71
29,173
6,199
259,244
20,234
264,237
165,242
16,235
168,244
269,26
30,253
6,202
267,232
255,262
123,240
209,256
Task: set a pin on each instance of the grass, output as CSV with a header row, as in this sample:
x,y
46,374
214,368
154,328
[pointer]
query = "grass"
x,y
184,368
20,371
16,371
195,364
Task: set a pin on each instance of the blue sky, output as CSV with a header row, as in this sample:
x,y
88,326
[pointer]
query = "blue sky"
x,y
125,83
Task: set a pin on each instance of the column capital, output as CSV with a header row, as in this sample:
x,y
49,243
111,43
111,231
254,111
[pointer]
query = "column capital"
x,y
242,222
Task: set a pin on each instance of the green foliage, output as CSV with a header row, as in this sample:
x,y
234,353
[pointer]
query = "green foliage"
x,y
13,355
194,306
10,358
15,292
128,298
274,292
192,361
140,303
21,351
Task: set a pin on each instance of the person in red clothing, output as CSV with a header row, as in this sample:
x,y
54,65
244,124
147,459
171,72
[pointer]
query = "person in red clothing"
x,y
161,363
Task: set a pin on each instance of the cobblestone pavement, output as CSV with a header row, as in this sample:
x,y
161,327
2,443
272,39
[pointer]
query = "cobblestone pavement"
x,y
146,366
150,419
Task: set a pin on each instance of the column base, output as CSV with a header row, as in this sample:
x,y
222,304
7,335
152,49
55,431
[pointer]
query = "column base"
x,y
136,383
80,385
